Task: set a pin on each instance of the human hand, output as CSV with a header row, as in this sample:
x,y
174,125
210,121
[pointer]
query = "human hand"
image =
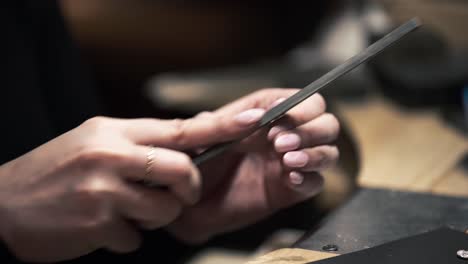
x,y
272,169
77,193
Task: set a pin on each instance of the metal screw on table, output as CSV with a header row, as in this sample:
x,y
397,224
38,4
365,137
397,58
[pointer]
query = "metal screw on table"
x,y
463,254
330,247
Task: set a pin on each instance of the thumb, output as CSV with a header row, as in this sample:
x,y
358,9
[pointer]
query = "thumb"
x,y
211,128
201,131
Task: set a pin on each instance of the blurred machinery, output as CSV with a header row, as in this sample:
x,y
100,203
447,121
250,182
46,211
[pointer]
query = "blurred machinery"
x,y
424,70
338,37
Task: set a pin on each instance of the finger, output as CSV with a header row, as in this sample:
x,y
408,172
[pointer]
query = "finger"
x,y
169,168
256,140
120,236
263,98
155,208
321,130
304,112
203,130
303,185
294,187
132,201
312,159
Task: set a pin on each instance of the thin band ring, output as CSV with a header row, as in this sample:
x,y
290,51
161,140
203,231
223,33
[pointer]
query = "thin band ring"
x,y
150,160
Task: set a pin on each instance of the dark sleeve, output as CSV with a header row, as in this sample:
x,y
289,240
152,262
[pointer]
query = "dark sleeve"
x,y
45,90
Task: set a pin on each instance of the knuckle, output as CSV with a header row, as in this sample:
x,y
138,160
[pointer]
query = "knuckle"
x,y
319,156
162,216
96,198
324,152
204,114
335,153
97,187
262,92
90,158
98,128
221,126
95,154
186,164
333,126
179,131
334,122
96,122
321,103
326,156
98,217
90,155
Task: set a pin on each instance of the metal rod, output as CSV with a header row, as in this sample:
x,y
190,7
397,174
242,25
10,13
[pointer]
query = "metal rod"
x,y
278,111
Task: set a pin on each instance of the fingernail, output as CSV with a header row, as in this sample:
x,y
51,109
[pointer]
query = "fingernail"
x,y
277,102
296,178
275,131
250,116
296,159
287,142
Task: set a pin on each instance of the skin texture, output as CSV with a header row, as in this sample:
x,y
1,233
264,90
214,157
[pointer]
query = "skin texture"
x,y
82,186
256,179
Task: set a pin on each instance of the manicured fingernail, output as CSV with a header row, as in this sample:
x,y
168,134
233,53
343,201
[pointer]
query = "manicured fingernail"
x,y
275,131
277,102
296,178
296,159
250,116
287,142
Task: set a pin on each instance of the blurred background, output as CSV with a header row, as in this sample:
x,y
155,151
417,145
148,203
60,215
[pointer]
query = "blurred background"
x,y
404,114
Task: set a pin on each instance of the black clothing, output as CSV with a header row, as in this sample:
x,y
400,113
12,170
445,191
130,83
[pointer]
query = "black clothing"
x,y
44,90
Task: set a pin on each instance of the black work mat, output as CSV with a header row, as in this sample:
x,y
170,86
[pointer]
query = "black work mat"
x,y
377,216
435,247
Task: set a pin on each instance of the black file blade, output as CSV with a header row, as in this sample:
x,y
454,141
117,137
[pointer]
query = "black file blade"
x,y
281,109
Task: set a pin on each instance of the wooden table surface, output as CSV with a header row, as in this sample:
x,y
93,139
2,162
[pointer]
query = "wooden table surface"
x,y
410,150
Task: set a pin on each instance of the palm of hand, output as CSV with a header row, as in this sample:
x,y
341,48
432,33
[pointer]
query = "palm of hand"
x,y
252,181
240,188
